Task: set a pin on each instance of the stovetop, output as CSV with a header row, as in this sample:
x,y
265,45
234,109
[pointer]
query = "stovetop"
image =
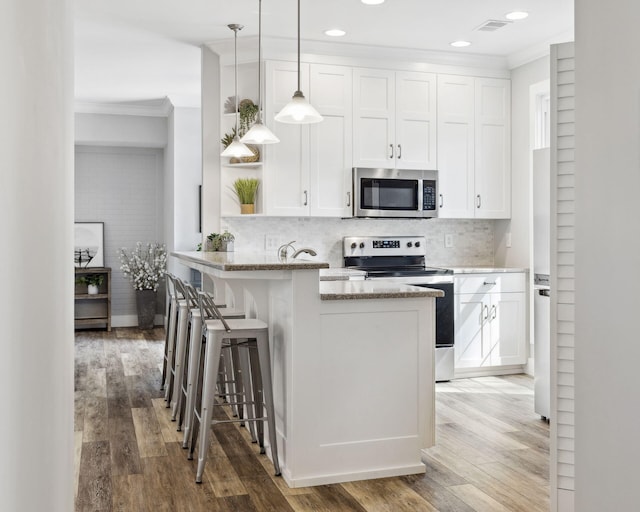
x,y
389,256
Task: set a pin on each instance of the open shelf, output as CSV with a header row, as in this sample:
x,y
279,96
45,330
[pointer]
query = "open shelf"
x,y
93,310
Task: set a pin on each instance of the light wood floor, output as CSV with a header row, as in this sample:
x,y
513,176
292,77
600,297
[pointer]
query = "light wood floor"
x,y
491,454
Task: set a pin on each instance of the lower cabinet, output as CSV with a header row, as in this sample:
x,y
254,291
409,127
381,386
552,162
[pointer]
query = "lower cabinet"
x,y
490,320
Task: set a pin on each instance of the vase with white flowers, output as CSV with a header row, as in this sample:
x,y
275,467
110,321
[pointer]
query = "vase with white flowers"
x,y
145,265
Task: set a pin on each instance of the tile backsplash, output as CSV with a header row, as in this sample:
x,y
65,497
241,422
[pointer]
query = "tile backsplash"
x,y
472,240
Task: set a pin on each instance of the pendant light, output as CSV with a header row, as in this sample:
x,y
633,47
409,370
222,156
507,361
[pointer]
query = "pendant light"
x,y
236,149
259,133
298,110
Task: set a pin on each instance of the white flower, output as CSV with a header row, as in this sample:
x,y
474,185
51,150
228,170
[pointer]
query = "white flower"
x,y
144,267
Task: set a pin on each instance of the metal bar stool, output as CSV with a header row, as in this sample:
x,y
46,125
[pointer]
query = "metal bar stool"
x,y
221,333
170,330
189,354
178,308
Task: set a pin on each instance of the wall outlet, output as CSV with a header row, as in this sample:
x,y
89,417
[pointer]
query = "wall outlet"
x,y
448,241
508,240
271,243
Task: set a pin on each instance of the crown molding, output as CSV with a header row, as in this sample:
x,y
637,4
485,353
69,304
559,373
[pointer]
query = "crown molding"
x,y
160,107
537,51
274,48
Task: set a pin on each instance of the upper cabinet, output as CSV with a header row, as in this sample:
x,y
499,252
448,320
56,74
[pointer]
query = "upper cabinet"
x,y
474,147
308,172
394,119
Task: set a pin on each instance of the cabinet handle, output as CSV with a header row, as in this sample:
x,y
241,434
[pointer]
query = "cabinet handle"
x,y
306,198
391,146
489,283
348,198
399,151
494,312
441,200
485,308
478,201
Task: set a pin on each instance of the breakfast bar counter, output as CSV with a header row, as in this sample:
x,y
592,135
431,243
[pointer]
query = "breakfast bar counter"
x,y
352,365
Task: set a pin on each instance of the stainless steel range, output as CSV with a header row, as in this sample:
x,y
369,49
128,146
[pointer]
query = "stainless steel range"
x,y
402,259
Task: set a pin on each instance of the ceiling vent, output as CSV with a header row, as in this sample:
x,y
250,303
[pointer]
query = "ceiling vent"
x,y
492,25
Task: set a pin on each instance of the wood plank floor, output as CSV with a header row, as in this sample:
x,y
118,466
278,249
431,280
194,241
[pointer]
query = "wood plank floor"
x,y
491,454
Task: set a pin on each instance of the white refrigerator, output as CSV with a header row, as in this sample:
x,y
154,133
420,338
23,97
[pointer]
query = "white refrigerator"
x,y
542,291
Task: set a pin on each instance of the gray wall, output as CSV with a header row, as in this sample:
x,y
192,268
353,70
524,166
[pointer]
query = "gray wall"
x,y
122,187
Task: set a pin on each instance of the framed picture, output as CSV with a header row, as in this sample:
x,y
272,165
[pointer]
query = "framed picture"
x,y
88,248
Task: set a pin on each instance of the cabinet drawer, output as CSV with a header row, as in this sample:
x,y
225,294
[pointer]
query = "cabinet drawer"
x,y
490,283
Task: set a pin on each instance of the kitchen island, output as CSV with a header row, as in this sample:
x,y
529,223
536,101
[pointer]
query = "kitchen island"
x,y
352,365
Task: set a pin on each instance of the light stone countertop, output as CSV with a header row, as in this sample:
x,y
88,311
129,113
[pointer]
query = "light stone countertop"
x,y
246,261
355,290
340,274
487,270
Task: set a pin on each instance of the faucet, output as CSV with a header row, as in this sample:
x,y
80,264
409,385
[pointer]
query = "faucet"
x,y
283,251
307,250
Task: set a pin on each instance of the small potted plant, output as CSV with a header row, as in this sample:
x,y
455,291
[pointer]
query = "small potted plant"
x,y
246,189
93,282
219,242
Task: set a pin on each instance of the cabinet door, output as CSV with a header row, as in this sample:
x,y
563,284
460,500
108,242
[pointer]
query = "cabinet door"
x,y
456,141
286,168
471,331
330,142
373,114
415,121
508,329
493,148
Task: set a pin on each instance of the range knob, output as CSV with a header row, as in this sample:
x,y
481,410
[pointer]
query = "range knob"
x,y
417,244
361,245
409,244
354,245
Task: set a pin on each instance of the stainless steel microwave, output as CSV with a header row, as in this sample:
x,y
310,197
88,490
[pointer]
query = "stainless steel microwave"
x,y
399,193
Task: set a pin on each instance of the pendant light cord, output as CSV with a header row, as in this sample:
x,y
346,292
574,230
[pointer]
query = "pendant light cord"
x,y
299,89
235,66
260,61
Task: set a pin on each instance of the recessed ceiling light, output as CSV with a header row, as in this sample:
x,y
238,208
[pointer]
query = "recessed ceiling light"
x,y
334,32
372,2
516,15
460,44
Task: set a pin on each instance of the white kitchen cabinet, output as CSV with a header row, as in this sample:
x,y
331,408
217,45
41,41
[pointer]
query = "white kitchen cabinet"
x,y
394,119
490,320
308,172
474,147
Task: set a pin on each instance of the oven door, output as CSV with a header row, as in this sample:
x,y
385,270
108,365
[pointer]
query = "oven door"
x,y
445,328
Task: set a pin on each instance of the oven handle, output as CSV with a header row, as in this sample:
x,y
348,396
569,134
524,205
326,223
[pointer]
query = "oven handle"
x,y
420,281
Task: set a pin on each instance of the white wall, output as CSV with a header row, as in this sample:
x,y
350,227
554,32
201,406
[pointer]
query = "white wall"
x,y
183,177
36,271
211,112
519,225
607,248
120,130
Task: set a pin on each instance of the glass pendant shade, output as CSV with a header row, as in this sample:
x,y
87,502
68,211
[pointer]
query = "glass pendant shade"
x,y
298,111
259,134
237,149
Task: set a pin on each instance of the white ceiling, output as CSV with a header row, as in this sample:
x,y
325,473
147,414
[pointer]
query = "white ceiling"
x,y
133,50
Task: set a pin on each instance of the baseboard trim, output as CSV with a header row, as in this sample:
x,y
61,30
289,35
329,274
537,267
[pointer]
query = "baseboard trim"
x,y
132,320
463,373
